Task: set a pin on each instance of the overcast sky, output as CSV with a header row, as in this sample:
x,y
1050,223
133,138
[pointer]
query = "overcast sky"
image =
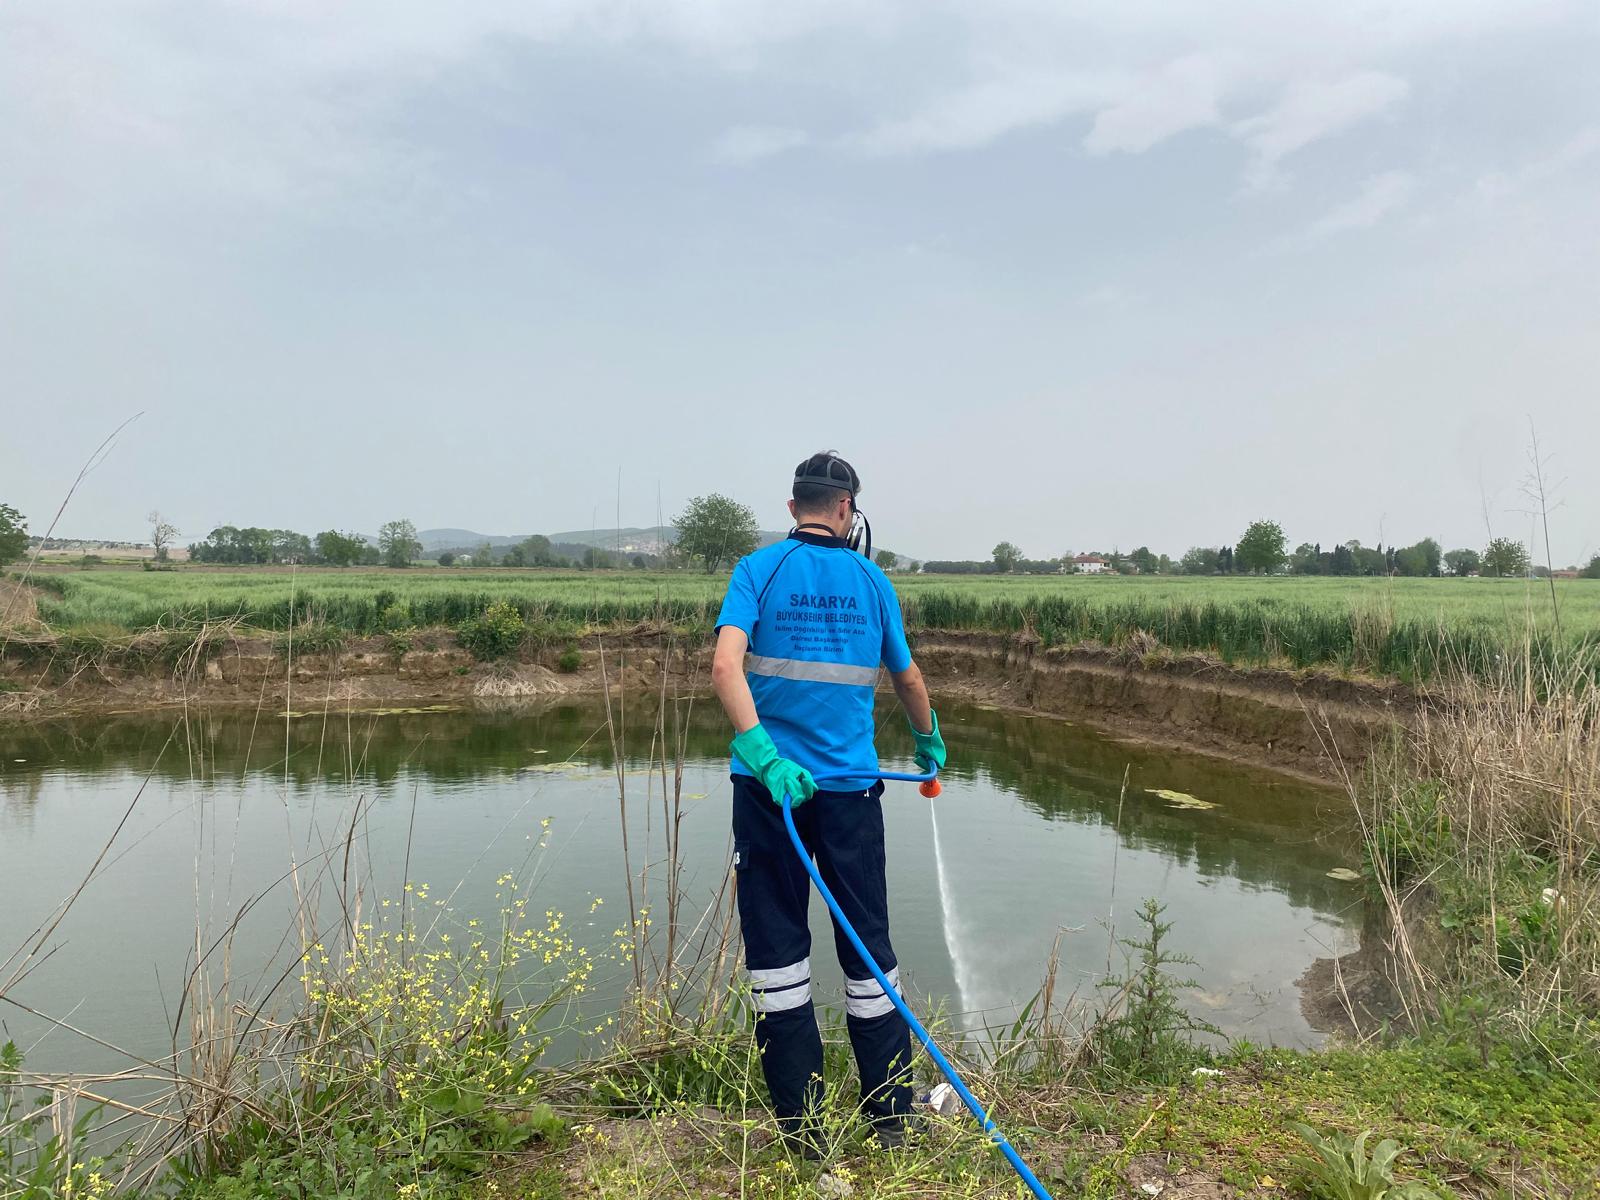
x,y
1083,275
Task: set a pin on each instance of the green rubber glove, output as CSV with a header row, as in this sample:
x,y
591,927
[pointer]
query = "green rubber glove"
x,y
779,775
930,746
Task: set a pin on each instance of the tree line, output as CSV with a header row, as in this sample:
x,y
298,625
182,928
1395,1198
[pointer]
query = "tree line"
x,y
251,545
397,546
1262,549
716,530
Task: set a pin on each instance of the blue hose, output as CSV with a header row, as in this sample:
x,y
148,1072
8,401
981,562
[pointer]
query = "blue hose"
x,y
923,1036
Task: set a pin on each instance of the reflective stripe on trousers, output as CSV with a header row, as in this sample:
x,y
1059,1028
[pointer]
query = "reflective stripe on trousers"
x,y
866,997
779,989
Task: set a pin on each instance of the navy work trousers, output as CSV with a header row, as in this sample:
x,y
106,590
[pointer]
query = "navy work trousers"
x,y
844,833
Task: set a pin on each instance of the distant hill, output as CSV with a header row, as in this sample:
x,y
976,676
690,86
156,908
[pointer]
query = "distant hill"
x,y
435,540
631,539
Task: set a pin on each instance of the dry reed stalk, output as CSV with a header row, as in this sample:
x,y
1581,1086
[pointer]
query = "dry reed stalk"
x,y
1504,779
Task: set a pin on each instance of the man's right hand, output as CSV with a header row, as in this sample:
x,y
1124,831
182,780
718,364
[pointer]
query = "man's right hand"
x,y
930,753
779,775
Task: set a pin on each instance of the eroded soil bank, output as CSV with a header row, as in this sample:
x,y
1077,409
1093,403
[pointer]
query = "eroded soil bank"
x,y
1302,723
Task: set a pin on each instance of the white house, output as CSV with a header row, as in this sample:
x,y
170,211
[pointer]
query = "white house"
x,y
1091,564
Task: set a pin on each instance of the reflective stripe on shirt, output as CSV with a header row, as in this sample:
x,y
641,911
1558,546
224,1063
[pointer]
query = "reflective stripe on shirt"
x,y
812,671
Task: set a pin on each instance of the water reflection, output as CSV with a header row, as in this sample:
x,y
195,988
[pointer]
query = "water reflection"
x,y
1043,827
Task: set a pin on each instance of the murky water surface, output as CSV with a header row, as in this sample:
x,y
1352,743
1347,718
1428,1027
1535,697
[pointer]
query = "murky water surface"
x,y
1045,831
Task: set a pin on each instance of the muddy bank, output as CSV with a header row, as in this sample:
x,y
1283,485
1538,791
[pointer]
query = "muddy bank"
x,y
422,667
1301,723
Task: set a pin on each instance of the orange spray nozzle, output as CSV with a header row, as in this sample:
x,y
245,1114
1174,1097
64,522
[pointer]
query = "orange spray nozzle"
x,y
930,789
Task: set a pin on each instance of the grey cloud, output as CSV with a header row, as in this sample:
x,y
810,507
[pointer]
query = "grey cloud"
x,y
1314,110
1180,96
976,115
749,143
1379,196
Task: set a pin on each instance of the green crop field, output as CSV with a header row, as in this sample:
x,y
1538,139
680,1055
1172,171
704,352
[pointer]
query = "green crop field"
x,y
1402,627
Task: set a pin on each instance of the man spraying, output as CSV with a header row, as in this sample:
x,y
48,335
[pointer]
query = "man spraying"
x,y
817,620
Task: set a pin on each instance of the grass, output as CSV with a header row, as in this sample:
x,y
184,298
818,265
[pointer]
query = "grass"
x,y
1411,629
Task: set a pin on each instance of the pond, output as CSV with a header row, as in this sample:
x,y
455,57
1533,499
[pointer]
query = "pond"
x,y
1046,835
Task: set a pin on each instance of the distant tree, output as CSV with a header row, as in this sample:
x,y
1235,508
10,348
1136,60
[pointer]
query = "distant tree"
x,y
447,559
339,549
1462,562
594,558
13,534
514,557
162,534
483,556
914,567
639,563
1421,559
1261,547
230,544
287,546
1505,557
371,556
886,559
1365,560
1225,561
1592,571
716,530
1199,560
1165,566
1144,561
1005,556
397,542
1306,560
537,551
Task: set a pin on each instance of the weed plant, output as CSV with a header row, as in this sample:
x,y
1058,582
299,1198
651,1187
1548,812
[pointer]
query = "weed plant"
x,y
1340,1168
43,1140
416,1057
1146,1036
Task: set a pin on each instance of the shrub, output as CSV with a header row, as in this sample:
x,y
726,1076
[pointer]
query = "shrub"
x,y
494,633
395,616
571,659
399,645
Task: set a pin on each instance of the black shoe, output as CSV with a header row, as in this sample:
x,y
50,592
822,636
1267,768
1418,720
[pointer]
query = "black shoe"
x,y
802,1144
894,1132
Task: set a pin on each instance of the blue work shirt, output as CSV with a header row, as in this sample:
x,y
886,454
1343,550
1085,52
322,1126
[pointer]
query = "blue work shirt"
x,y
820,619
